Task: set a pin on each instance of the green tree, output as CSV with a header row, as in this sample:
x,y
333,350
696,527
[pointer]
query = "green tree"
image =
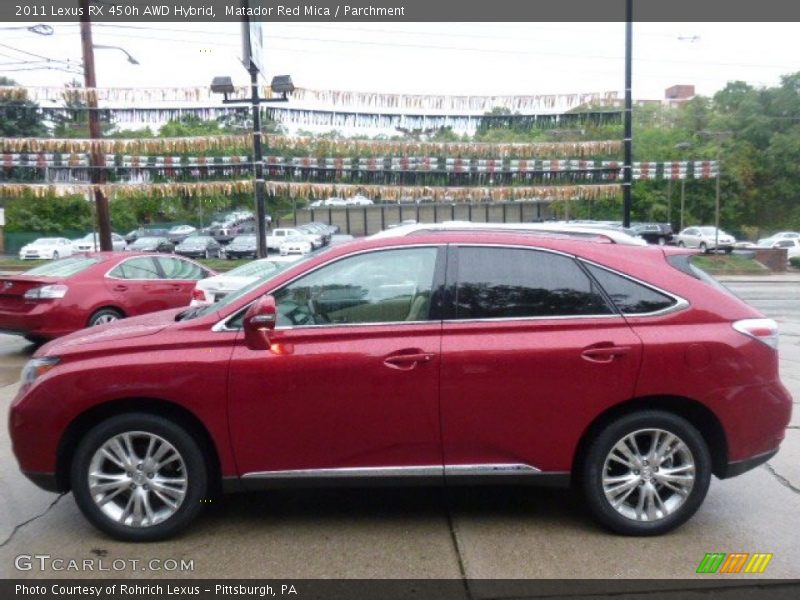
x,y
19,118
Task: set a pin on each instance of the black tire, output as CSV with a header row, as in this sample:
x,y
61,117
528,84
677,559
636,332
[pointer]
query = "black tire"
x,y
681,244
56,256
35,339
592,471
208,254
703,248
728,250
189,451
104,315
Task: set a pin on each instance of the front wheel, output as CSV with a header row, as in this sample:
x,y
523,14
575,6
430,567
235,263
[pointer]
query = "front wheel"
x,y
681,245
139,477
55,255
703,248
646,473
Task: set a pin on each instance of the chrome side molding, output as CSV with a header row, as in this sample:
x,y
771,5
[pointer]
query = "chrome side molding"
x,y
492,469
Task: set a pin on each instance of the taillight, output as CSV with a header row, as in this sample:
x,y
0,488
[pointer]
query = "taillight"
x,y
46,292
198,295
763,330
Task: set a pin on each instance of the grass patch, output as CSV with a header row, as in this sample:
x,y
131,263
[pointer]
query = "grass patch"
x,y
721,264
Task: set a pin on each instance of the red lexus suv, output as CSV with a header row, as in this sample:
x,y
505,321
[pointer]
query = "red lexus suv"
x,y
451,356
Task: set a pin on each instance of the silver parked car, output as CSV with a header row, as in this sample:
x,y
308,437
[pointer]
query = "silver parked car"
x,y
705,239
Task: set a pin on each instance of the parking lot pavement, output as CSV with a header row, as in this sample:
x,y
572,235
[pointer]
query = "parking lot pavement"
x,y
429,533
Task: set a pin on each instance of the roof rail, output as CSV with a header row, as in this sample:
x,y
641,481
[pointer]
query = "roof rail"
x,y
608,234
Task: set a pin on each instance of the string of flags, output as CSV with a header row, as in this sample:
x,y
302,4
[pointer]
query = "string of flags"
x,y
312,146
707,169
308,190
374,101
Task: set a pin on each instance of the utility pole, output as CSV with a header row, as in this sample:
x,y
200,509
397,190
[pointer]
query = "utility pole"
x,y
627,179
716,203
97,158
683,200
669,202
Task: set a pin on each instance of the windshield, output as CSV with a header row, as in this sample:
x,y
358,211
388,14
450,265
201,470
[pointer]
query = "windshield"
x,y
195,241
244,240
64,267
258,268
46,241
711,231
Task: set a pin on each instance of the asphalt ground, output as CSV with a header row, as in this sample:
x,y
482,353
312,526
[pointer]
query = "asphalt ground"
x,y
470,533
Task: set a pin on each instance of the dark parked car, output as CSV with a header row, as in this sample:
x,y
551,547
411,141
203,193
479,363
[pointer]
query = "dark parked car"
x,y
242,246
134,235
226,232
91,289
151,244
654,233
199,246
428,357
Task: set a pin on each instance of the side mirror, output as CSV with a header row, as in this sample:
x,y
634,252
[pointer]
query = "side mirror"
x,y
259,320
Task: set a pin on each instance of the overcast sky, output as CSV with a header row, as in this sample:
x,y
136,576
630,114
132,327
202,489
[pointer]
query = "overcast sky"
x,y
440,58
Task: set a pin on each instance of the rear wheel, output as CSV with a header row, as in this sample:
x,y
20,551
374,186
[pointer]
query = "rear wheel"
x,y
35,339
55,255
681,244
139,477
646,473
703,248
104,315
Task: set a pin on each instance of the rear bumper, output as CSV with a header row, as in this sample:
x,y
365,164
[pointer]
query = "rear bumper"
x,y
742,466
45,481
43,320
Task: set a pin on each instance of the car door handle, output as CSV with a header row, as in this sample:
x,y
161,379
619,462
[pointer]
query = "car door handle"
x,y
406,362
120,288
604,353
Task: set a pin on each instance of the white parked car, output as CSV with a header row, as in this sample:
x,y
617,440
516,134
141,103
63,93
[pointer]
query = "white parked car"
x,y
705,239
359,200
278,236
781,235
46,248
792,246
295,245
212,289
91,243
334,202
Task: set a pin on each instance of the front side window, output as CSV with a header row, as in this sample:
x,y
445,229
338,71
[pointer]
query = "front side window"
x,y
175,268
386,286
498,283
142,267
630,297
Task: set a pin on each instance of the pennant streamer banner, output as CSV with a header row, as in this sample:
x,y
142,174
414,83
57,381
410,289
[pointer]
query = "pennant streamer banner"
x,y
311,146
370,120
373,101
305,190
708,169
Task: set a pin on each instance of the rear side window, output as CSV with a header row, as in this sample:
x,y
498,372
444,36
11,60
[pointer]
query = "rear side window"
x,y
142,267
496,283
175,268
630,297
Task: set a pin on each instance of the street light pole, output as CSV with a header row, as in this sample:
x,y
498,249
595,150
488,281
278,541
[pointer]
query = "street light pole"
x,y
669,202
96,157
716,203
258,158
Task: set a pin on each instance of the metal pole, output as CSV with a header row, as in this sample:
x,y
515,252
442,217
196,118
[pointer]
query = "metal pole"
x,y
96,157
626,184
716,208
258,161
669,202
683,199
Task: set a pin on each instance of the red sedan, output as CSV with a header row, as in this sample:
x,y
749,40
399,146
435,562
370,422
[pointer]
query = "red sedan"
x,y
432,356
90,289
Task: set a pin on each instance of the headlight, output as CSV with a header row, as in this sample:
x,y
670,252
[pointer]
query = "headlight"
x,y
36,367
46,292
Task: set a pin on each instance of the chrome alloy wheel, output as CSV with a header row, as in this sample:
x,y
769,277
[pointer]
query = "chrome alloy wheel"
x,y
648,474
137,479
105,318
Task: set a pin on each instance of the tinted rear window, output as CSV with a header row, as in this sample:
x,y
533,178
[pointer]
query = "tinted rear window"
x,y
512,282
629,296
65,267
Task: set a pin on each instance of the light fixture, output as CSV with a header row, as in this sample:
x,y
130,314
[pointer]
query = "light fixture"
x,y
222,85
282,84
131,59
